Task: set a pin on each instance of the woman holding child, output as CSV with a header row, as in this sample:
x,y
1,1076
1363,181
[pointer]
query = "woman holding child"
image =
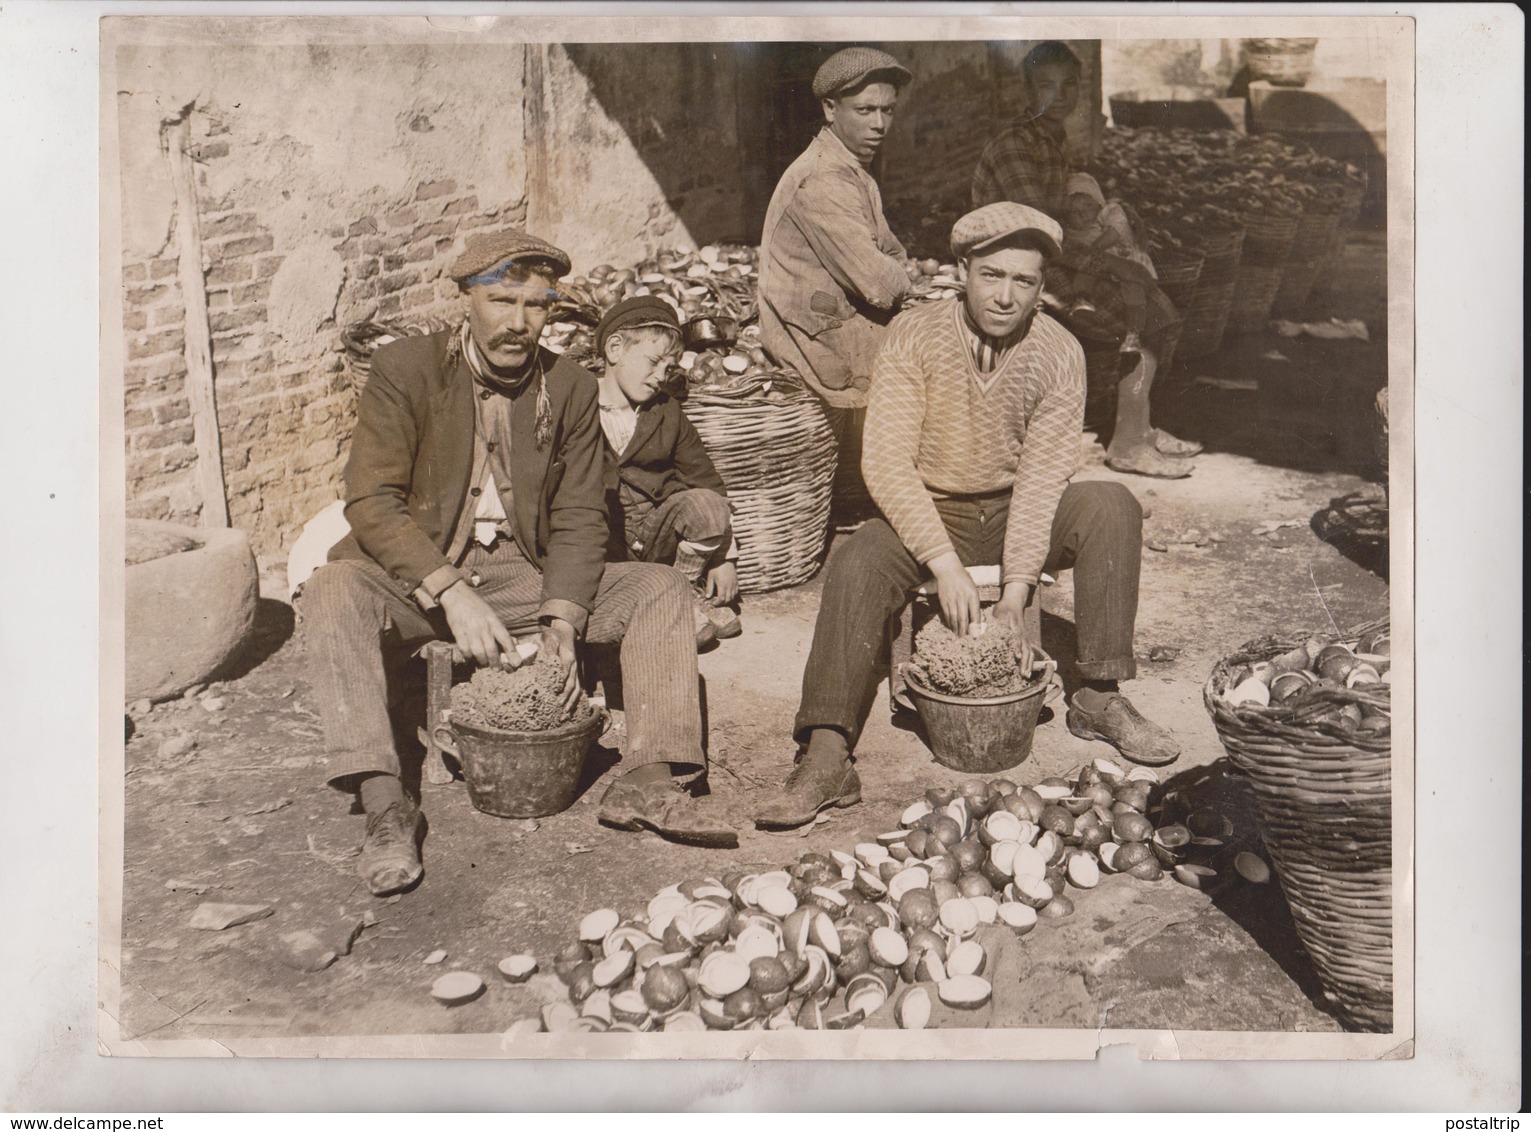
x,y
1105,278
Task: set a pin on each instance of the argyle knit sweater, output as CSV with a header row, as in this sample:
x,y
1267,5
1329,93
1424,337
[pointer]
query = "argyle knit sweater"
x,y
937,425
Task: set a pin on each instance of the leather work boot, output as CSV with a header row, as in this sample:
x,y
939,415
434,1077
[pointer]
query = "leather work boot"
x,y
1110,716
390,853
1170,445
668,810
808,790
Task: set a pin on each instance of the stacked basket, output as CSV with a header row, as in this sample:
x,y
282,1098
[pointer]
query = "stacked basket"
x,y
1280,62
1349,206
1206,315
1310,246
776,454
1267,243
1323,788
1178,275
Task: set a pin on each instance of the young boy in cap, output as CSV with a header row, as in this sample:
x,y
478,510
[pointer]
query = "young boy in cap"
x,y
665,501
972,436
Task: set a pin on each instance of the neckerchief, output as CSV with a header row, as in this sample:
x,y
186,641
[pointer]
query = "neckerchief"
x,y
484,375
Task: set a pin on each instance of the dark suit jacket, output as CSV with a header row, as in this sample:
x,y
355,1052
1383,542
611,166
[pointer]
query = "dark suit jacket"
x,y
664,456
412,456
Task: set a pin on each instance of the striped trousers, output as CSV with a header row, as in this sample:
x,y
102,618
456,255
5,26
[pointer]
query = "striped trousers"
x,y
357,630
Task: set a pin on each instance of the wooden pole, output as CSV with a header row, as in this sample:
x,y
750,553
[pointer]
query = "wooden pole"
x,y
176,137
534,126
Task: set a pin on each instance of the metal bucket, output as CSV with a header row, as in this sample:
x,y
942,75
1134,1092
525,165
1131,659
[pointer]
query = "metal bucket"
x,y
521,774
979,735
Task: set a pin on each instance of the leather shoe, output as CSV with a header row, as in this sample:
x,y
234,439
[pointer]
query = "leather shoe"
x,y
666,809
1111,717
390,853
808,790
725,622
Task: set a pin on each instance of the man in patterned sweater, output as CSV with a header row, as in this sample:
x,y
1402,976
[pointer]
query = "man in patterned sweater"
x,y
973,433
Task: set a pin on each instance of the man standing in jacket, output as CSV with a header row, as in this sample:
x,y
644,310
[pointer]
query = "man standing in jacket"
x,y
831,273
474,496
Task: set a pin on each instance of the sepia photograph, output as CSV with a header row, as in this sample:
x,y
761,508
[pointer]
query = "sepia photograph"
x,y
726,537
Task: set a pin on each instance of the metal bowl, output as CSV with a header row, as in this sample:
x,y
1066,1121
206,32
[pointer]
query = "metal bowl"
x,y
704,332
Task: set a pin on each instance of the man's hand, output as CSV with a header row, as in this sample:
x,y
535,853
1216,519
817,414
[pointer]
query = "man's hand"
x,y
723,584
476,628
558,644
1010,612
960,608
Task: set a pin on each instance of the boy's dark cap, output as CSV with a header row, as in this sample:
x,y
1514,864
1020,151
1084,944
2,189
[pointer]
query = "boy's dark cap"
x,y
641,310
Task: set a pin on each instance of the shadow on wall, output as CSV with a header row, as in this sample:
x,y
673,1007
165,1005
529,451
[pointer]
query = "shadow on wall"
x,y
730,118
716,160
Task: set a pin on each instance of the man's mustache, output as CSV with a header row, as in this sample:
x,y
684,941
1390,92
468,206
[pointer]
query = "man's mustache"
x,y
510,338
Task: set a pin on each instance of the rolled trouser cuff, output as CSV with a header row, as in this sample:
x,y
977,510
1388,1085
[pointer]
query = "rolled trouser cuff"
x,y
1117,669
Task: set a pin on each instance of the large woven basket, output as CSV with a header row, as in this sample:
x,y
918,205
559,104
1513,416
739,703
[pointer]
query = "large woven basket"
x,y
1280,62
1324,798
1315,236
1254,290
776,454
1268,239
1350,210
1206,315
1178,274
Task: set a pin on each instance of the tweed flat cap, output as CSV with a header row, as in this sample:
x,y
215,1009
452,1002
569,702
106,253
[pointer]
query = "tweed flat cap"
x,y
640,310
994,222
851,67
488,250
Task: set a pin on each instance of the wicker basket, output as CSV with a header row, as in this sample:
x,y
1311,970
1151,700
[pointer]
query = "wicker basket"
x,y
1178,274
1206,315
776,454
1254,290
1315,236
1268,239
1350,209
1324,795
1280,62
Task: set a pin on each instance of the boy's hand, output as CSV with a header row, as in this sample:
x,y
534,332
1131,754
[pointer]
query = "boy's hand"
x,y
722,586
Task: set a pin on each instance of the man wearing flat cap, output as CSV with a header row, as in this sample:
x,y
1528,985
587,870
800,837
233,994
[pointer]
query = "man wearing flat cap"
x,y
474,493
972,437
831,272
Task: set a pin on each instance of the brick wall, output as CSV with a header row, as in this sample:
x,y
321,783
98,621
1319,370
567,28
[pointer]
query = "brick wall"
x,y
285,408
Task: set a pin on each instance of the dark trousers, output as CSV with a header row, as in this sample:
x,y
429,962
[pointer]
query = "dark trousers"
x,y
849,495
1097,532
358,631
695,514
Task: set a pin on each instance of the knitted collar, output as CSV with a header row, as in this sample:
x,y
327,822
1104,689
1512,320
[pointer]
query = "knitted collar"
x,y
1000,346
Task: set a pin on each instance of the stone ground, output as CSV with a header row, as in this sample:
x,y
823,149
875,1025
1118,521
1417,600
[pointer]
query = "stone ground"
x,y
239,815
